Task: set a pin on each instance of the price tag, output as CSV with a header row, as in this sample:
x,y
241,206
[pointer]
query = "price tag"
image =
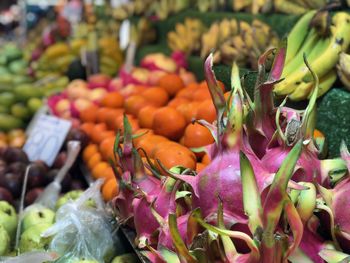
x,y
46,138
124,34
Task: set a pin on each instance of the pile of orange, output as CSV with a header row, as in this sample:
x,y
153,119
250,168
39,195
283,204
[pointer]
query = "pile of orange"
x,y
163,114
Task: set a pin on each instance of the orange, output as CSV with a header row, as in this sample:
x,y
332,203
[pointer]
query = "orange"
x,y
110,189
113,100
201,94
94,160
89,114
89,151
200,167
102,114
144,132
87,127
97,130
149,143
197,135
172,83
169,122
177,101
145,116
206,159
173,155
103,135
318,134
134,104
156,96
204,84
108,173
106,148
111,116
189,110
98,170
206,111
188,91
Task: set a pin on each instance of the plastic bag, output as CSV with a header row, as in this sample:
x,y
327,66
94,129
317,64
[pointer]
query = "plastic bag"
x,y
82,231
31,257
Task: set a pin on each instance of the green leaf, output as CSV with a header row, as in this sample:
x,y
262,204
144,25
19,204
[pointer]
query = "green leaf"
x,y
179,244
251,195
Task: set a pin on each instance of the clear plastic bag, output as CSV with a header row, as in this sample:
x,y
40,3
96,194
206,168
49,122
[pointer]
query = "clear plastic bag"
x,y
82,231
31,257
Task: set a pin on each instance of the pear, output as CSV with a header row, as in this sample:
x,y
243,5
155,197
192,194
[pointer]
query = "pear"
x,y
8,218
31,239
4,241
37,215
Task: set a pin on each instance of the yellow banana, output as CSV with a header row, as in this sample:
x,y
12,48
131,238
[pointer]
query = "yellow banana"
x,y
56,51
304,90
340,40
343,69
225,30
297,36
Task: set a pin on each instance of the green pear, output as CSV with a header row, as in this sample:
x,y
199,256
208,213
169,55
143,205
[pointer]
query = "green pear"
x,y
126,258
31,239
4,241
8,218
37,215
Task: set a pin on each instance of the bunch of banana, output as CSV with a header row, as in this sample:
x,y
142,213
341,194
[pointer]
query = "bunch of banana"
x,y
144,32
111,57
321,52
209,5
252,6
186,36
238,40
343,69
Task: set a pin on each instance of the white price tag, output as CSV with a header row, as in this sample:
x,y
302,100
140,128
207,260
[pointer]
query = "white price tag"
x,y
46,138
124,34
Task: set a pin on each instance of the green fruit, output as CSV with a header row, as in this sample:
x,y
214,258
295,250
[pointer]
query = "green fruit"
x,y
24,92
126,258
8,122
4,241
82,260
12,52
31,238
21,79
18,67
37,215
20,111
72,195
8,218
3,60
4,70
34,104
7,99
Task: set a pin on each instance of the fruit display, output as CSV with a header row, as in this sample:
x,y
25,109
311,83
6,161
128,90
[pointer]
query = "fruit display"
x,y
231,39
13,165
322,51
257,200
14,138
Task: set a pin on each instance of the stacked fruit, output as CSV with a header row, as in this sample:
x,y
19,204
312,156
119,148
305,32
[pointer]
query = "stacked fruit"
x,y
163,112
231,39
321,50
13,163
264,197
14,138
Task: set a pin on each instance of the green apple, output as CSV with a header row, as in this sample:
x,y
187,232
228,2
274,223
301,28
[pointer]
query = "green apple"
x,y
31,239
126,258
72,195
8,218
37,215
4,241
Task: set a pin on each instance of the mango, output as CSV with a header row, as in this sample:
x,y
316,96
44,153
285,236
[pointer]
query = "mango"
x,y
24,92
20,111
7,99
34,104
8,122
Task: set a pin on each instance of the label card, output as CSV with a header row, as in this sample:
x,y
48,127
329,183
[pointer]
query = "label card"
x,y
46,138
124,34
